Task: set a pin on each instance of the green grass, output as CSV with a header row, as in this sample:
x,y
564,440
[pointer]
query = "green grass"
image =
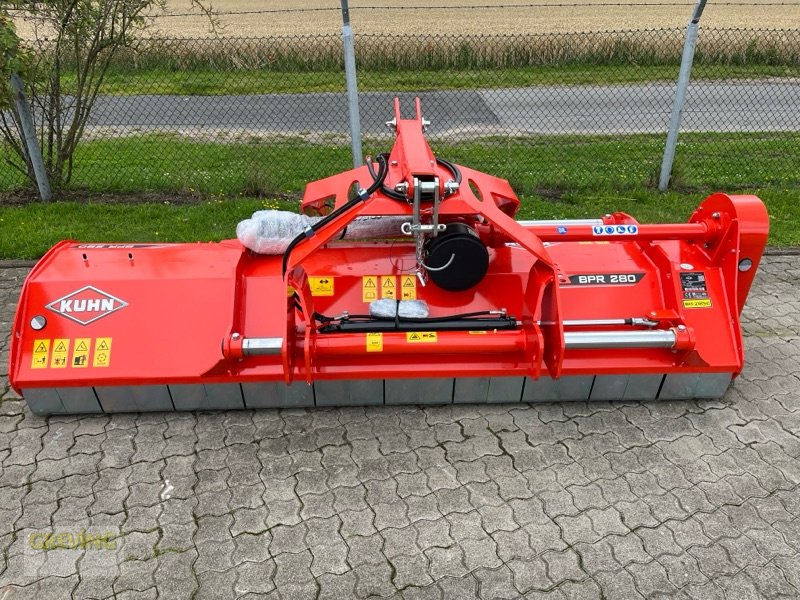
x,y
199,191
273,167
284,64
210,82
36,227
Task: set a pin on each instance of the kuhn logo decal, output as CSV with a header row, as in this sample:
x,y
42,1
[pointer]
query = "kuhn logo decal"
x,y
86,305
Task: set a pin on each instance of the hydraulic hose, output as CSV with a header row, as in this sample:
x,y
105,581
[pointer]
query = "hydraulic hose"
x,y
383,159
454,170
458,316
378,179
394,194
377,184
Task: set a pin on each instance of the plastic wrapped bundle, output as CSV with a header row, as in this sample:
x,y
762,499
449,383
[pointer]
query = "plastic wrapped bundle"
x,y
405,309
271,231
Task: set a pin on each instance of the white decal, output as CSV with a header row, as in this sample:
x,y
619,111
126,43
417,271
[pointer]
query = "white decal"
x,y
86,305
615,229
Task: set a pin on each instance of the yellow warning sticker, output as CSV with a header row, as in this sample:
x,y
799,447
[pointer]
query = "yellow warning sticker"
x,y
475,332
388,286
41,351
421,337
374,342
408,287
102,352
321,286
702,303
60,357
80,353
369,288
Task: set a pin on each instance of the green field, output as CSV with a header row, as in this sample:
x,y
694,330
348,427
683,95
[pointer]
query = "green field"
x,y
420,62
199,191
201,81
167,163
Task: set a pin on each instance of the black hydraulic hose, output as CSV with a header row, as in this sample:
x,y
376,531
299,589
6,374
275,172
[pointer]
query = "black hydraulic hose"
x,y
454,171
377,183
372,169
394,194
326,319
384,157
499,324
460,316
465,316
383,170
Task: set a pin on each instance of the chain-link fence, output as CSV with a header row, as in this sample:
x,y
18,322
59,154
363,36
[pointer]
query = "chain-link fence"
x,y
549,111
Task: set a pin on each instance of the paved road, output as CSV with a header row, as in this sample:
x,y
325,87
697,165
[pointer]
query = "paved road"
x,y
640,108
623,499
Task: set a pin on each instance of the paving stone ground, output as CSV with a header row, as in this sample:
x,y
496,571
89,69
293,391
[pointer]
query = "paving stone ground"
x,y
695,499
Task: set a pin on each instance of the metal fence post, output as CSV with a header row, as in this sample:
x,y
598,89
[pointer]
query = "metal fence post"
x,y
680,95
30,143
352,87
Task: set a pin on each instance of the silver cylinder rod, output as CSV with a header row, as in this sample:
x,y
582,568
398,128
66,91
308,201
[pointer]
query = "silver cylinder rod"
x,y
261,346
633,321
661,338
564,222
594,322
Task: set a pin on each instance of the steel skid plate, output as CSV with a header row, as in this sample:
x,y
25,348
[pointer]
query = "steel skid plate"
x,y
375,392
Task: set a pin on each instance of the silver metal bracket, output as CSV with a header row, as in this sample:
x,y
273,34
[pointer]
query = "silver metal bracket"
x,y
417,228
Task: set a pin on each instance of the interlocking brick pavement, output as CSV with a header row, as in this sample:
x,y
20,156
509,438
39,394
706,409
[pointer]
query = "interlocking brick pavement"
x,y
695,499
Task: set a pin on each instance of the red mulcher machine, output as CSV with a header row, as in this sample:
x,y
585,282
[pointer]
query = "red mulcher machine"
x,y
477,307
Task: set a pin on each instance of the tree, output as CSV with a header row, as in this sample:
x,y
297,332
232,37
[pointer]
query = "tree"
x,y
11,56
75,37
